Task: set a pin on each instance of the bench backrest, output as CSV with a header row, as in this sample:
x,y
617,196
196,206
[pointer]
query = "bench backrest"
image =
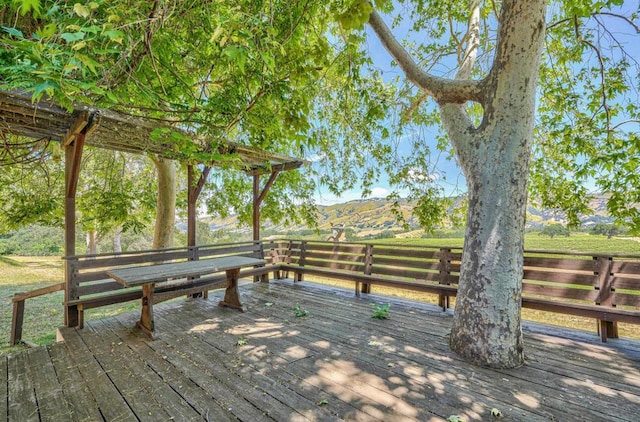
x,y
595,279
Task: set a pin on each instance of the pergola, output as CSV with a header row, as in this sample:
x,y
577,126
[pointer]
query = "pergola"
x,y
109,129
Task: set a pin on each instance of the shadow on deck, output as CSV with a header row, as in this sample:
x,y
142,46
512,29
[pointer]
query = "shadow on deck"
x,y
337,363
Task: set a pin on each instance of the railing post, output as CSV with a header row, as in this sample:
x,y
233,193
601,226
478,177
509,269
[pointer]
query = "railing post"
x,y
299,276
604,277
17,321
264,278
444,271
275,259
368,264
71,312
194,255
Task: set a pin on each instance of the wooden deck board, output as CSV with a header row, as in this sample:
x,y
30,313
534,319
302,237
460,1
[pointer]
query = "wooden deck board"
x,y
21,395
78,399
110,401
338,363
383,355
4,386
48,390
188,391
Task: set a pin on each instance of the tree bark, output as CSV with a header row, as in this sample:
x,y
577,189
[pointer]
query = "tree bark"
x,y
166,203
92,242
117,239
494,157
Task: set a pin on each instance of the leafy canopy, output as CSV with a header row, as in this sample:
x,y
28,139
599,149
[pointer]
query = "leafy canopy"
x,y
298,78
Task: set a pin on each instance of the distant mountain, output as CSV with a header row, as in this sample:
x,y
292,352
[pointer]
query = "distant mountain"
x,y
370,217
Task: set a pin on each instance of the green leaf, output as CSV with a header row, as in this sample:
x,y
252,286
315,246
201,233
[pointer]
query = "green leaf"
x,y
323,402
81,10
47,31
13,31
268,304
114,35
47,87
27,6
72,36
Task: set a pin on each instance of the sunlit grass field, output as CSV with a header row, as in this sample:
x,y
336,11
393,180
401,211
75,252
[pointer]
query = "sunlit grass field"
x,y
44,314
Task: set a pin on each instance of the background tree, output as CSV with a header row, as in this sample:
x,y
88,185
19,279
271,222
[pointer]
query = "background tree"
x,y
608,230
248,72
552,230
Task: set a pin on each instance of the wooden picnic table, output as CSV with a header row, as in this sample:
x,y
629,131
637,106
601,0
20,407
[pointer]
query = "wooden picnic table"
x,y
148,275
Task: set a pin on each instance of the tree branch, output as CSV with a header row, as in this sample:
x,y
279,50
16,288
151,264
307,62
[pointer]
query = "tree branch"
x,y
473,41
442,89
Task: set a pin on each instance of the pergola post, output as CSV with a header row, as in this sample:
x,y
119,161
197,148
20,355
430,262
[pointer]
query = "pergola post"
x,y
73,157
258,197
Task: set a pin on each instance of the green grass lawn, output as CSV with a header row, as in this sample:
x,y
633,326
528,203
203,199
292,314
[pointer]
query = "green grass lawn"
x,y
42,314
45,313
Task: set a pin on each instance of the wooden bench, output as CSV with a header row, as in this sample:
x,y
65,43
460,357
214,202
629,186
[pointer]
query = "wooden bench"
x,y
593,286
89,286
423,269
602,287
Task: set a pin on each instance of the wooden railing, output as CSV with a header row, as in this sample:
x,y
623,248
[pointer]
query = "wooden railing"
x,y
19,299
600,286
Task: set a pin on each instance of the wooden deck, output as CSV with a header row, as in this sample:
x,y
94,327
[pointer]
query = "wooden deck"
x,y
337,363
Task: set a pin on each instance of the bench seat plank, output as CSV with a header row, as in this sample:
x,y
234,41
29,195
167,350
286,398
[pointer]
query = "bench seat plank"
x,y
136,276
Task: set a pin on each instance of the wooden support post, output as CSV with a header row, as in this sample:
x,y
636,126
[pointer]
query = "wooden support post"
x,y
299,276
444,272
368,264
17,322
73,158
256,207
606,329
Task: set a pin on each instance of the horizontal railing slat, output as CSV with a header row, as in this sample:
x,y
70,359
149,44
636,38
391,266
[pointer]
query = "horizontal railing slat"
x,y
560,263
559,277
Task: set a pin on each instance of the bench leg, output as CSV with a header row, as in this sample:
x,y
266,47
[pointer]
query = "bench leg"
x,y
231,295
146,323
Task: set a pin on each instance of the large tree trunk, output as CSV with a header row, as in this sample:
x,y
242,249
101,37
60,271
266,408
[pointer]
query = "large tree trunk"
x,y
495,158
166,204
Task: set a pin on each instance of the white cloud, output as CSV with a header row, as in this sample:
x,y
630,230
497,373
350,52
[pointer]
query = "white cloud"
x,y
379,192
